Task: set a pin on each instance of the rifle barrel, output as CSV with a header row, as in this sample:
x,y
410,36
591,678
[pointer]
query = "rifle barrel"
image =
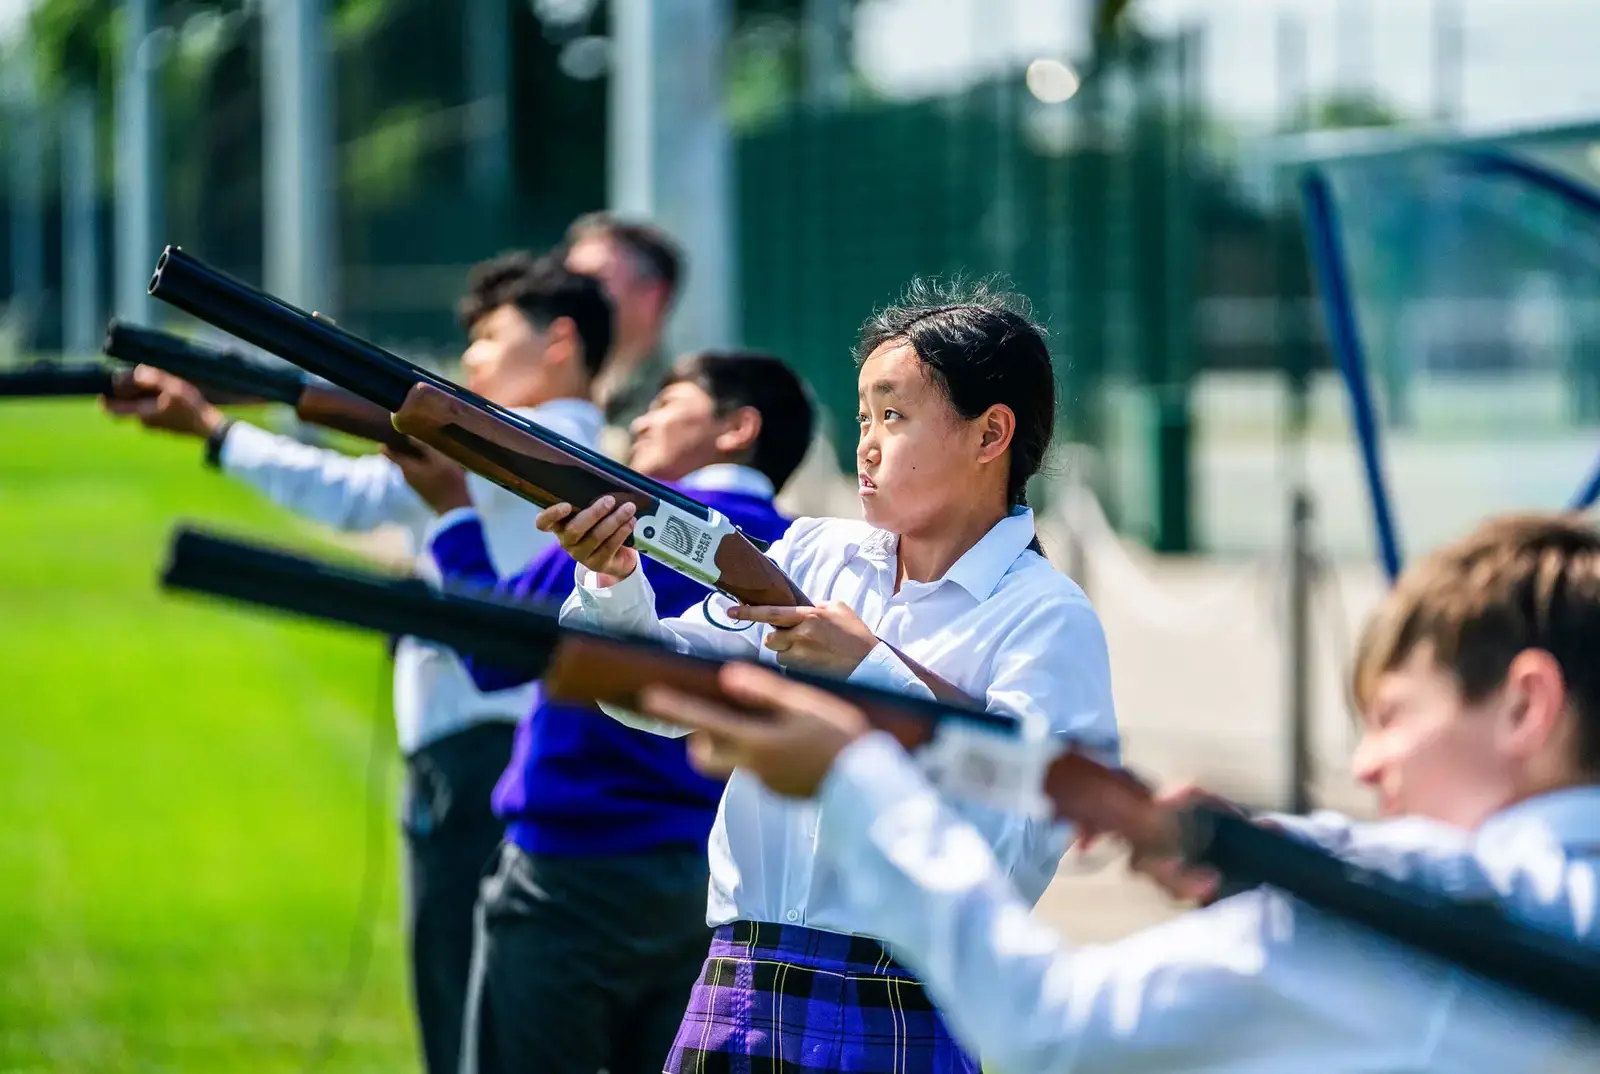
x,y
322,348
53,380
221,369
1474,936
254,574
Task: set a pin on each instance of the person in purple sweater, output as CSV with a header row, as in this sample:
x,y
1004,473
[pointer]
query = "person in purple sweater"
x,y
592,928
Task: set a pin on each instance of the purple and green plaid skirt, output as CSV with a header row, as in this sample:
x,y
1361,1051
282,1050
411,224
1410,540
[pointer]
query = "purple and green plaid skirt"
x,y
790,1000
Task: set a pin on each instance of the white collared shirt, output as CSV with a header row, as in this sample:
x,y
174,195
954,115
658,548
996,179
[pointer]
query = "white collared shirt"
x,y
730,477
433,694
1001,625
1255,984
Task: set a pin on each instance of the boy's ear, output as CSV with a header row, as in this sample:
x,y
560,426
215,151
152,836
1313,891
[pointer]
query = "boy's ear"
x,y
1536,696
561,342
742,432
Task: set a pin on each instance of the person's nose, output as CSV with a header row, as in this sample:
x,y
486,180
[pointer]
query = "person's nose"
x,y
868,452
1367,761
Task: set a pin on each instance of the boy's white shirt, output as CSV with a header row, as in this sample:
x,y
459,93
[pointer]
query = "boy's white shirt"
x,y
433,694
1255,984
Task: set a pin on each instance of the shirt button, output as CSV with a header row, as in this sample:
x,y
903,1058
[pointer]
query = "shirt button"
x,y
793,915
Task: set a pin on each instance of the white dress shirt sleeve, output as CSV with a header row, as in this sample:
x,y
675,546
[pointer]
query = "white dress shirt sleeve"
x,y
354,493
1052,674
1253,982
629,607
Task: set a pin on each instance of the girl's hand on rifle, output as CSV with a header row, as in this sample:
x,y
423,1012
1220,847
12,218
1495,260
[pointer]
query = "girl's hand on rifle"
x,y
594,536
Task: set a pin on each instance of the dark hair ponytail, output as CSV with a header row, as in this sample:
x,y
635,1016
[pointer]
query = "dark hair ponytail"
x,y
983,348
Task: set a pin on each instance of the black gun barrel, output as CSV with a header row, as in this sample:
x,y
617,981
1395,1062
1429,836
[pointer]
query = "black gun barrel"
x,y
315,345
512,637
53,379
323,349
217,368
1476,937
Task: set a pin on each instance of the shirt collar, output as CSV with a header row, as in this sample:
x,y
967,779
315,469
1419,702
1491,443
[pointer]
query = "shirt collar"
x,y
729,477
981,567
1570,815
578,410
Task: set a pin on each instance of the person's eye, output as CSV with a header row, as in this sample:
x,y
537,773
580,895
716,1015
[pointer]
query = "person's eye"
x,y
887,414
861,419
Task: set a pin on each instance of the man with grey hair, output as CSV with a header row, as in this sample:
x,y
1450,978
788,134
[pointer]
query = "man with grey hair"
x,y
641,268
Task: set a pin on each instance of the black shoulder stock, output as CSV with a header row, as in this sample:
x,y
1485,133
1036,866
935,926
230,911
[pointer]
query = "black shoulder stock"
x,y
219,370
40,380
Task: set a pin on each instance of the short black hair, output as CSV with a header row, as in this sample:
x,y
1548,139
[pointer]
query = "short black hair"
x,y
655,253
981,346
543,289
737,379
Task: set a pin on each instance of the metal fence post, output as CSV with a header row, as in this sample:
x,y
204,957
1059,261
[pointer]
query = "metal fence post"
x,y
1301,583
138,141
300,243
670,148
27,205
81,321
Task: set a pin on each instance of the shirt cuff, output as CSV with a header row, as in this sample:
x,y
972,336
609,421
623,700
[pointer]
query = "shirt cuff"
x,y
244,446
447,521
884,669
618,604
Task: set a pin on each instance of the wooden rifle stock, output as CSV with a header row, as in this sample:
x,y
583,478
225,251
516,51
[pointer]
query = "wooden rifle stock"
x,y
345,413
544,474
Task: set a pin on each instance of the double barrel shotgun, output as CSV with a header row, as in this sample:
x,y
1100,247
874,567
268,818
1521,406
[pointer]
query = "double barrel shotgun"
x,y
520,455
968,752
225,376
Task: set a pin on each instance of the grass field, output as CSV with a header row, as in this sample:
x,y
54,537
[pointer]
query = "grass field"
x,y
184,787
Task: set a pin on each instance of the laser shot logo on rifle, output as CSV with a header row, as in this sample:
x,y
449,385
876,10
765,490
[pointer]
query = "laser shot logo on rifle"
x,y
680,539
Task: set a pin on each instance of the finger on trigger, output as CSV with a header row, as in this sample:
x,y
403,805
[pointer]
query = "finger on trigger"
x,y
773,615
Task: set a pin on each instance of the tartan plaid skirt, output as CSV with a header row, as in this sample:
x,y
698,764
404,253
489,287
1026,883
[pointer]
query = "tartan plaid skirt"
x,y
780,999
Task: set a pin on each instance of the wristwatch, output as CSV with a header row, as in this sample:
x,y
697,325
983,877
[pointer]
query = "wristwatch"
x,y
214,443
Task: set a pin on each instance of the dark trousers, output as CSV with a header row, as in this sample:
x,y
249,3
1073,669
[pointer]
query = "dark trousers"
x,y
450,838
584,964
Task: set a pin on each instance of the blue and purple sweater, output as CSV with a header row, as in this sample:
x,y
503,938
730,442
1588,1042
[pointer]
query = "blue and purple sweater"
x,y
580,783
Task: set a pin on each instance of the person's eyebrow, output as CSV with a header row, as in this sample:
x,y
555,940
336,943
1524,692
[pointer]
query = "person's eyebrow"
x,y
883,387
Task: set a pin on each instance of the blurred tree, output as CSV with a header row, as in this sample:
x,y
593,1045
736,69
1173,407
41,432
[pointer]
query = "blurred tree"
x,y
1346,109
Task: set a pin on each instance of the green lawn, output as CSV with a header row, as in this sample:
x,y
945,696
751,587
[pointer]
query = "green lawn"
x,y
184,787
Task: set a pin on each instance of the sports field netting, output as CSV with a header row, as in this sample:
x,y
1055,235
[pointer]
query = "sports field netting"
x,y
1460,283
